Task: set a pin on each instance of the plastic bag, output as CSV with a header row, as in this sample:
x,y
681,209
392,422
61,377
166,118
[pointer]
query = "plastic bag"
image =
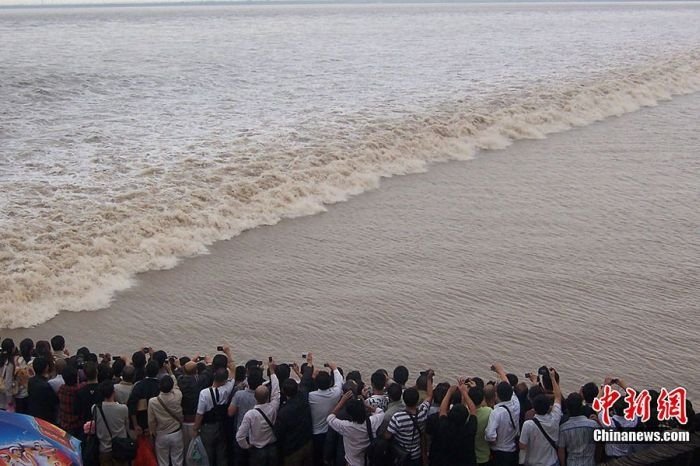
x,y
145,453
196,454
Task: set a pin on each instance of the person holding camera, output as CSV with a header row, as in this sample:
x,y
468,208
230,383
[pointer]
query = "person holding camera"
x,y
293,426
322,401
540,434
256,432
356,430
455,430
406,427
502,429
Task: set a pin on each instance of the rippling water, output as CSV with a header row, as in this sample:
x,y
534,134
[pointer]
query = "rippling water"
x,y
132,137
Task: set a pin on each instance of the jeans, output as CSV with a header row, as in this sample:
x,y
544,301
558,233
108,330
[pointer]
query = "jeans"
x,y
169,448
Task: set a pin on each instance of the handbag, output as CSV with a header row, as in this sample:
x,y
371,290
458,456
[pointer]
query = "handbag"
x,y
123,448
145,454
196,454
13,388
90,448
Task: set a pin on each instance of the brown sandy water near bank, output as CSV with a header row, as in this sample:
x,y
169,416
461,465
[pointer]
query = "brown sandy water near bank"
x,y
580,251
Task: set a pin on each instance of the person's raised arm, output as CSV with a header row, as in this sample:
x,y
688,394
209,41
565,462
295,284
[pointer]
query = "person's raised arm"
x,y
555,386
343,399
337,378
429,389
275,387
466,399
231,361
307,380
445,405
497,367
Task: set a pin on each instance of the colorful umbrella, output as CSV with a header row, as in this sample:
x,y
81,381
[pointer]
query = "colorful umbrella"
x,y
29,441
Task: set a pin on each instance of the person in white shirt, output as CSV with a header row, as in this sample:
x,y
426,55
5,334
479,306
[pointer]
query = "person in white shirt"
x,y
539,436
355,431
57,381
321,402
378,398
502,429
211,412
256,431
619,422
576,445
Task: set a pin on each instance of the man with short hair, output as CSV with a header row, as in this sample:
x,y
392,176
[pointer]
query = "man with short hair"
x,y
406,427
540,434
143,391
111,421
58,345
378,398
394,393
123,389
42,400
293,426
619,422
211,412
67,419
322,401
243,400
589,392
483,412
87,396
256,432
576,446
58,381
503,427
401,376
490,395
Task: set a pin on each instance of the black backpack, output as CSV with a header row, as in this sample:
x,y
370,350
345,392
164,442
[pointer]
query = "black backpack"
x,y
377,453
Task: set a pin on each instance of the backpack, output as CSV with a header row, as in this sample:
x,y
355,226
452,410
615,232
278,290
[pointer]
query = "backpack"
x,y
377,453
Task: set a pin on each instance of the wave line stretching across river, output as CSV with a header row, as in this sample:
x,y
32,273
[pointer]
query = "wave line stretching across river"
x,y
74,257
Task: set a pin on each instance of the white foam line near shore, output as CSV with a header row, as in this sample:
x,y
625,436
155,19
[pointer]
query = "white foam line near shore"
x,y
81,266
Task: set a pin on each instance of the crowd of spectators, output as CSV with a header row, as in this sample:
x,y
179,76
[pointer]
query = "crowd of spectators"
x,y
264,414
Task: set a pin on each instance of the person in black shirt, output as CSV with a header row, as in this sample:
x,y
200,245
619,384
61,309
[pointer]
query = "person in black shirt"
x,y
87,396
456,430
43,401
293,425
143,391
138,360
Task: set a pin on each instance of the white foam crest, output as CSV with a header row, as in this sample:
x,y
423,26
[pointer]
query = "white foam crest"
x,y
79,263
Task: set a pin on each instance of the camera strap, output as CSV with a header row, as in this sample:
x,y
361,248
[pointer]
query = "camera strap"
x,y
544,432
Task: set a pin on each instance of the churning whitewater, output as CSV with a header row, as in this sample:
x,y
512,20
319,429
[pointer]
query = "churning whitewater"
x,y
107,172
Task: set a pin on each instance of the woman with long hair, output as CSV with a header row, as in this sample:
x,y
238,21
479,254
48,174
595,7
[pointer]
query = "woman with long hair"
x,y
8,387
23,372
43,349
